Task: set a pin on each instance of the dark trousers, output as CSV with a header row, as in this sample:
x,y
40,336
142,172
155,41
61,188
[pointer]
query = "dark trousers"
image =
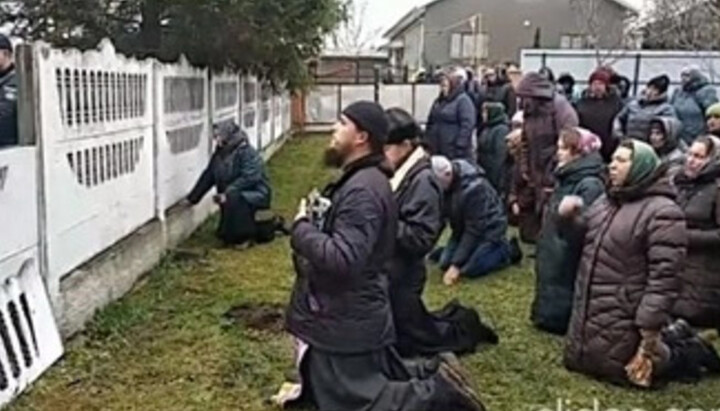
x,y
488,257
419,332
237,221
374,381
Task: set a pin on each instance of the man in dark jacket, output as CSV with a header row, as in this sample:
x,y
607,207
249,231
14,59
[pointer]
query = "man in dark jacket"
x,y
8,95
339,310
237,172
478,245
419,197
452,119
597,108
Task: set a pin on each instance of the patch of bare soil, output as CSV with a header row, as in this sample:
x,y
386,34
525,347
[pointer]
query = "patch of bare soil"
x,y
260,317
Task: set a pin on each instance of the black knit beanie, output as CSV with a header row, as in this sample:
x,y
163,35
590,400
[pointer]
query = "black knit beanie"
x,y
369,117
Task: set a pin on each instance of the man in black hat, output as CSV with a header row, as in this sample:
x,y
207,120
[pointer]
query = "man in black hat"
x,y
339,311
8,94
419,197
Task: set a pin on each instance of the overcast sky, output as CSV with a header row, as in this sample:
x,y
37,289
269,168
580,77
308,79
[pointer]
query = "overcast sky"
x,y
384,13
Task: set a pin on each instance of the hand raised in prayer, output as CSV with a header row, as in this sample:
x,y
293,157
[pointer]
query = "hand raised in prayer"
x,y
570,206
302,210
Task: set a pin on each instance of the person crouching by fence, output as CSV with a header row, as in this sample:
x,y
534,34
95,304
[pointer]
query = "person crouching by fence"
x,y
478,245
238,174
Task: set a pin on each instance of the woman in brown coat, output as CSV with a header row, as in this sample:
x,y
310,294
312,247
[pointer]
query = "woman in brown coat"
x,y
699,187
545,113
626,287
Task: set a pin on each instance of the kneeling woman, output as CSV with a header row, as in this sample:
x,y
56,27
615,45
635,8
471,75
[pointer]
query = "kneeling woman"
x,y
635,244
419,198
699,186
238,174
580,174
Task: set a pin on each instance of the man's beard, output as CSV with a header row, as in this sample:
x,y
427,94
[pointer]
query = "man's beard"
x,y
334,157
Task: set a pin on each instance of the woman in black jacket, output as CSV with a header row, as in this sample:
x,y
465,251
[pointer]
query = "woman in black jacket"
x,y
699,188
580,174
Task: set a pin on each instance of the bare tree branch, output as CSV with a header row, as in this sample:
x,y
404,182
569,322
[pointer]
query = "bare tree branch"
x,y
354,35
684,25
599,29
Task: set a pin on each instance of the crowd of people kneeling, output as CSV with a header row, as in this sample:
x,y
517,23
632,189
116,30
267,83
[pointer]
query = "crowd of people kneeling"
x,y
620,196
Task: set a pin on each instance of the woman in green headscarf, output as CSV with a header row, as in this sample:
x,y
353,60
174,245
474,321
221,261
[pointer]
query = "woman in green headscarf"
x,y
635,244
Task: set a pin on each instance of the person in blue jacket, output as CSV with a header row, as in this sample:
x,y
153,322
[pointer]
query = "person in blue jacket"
x,y
691,101
238,173
452,120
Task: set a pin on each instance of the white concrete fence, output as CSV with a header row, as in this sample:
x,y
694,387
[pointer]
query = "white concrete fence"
x,y
637,65
111,144
324,103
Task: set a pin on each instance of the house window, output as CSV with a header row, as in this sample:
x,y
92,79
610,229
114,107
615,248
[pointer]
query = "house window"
x,y
456,45
573,41
565,41
467,46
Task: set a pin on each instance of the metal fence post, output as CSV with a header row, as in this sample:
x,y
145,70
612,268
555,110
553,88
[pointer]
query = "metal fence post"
x,y
338,108
636,80
26,96
376,91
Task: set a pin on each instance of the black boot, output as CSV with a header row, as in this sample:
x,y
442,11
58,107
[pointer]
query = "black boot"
x,y
691,356
452,394
516,254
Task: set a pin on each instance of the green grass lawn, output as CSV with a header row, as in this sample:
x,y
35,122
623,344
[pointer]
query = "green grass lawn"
x,y
166,346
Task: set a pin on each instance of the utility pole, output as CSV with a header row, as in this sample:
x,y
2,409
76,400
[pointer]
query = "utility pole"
x,y
475,25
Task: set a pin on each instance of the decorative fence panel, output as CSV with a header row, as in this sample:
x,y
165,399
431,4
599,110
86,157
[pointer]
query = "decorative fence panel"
x,y
28,333
277,116
18,201
266,120
183,134
637,65
250,110
97,151
225,98
118,141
